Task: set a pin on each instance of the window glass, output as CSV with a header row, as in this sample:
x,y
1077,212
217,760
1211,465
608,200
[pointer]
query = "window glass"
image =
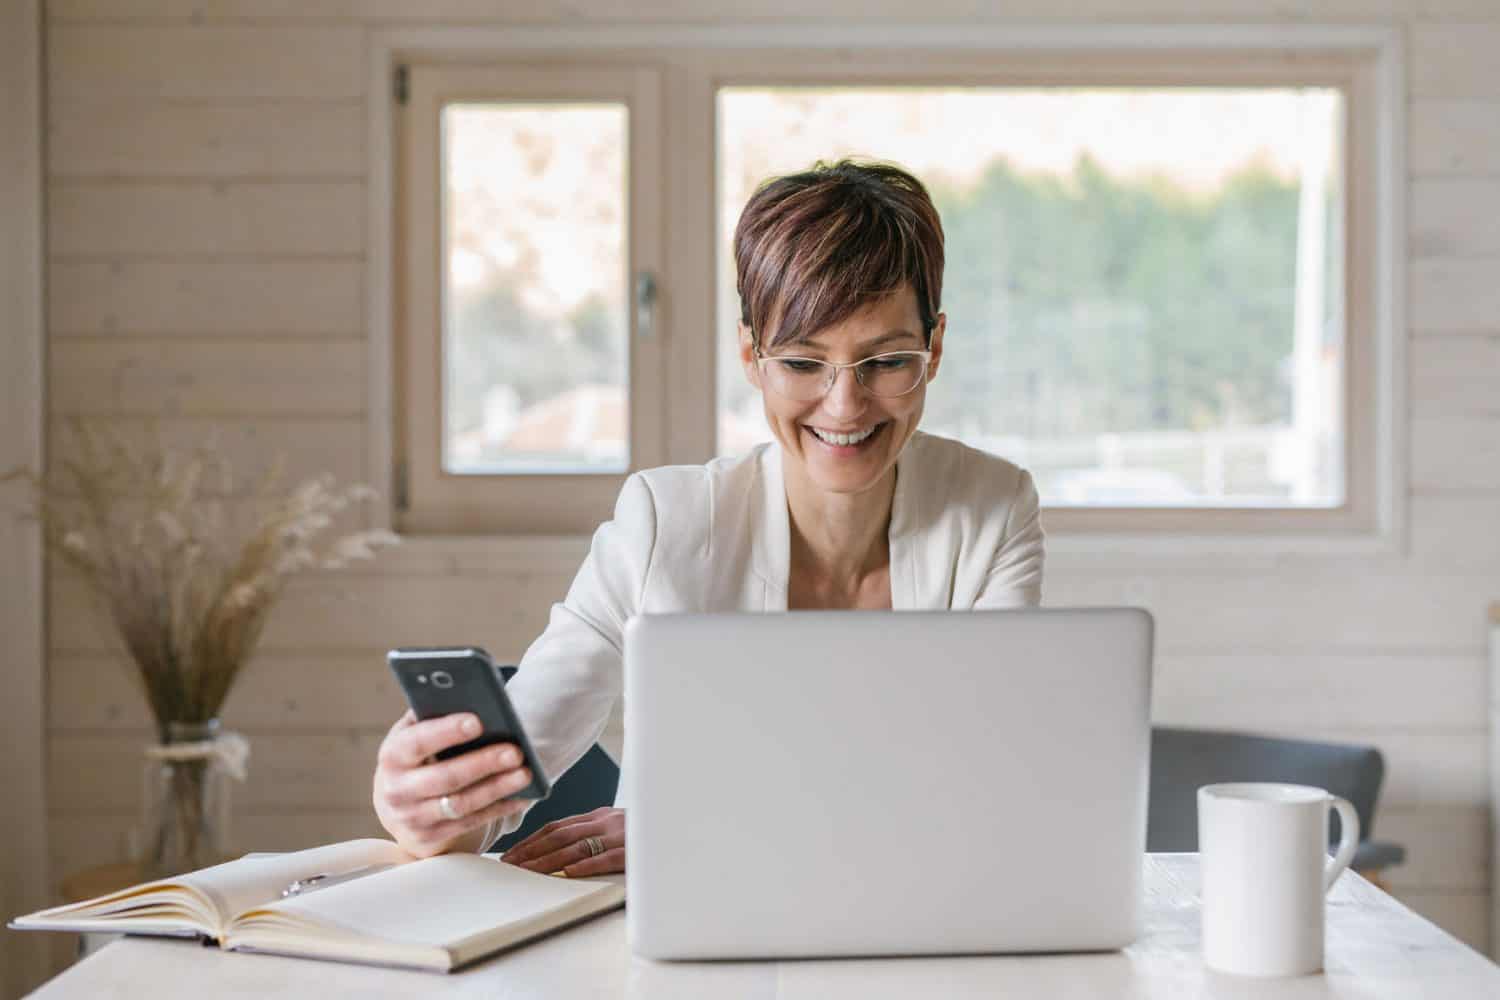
x,y
535,344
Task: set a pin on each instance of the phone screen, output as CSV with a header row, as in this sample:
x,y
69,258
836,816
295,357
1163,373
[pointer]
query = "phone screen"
x,y
440,681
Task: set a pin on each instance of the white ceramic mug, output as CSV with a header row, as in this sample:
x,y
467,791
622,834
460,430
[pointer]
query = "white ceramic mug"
x,y
1266,871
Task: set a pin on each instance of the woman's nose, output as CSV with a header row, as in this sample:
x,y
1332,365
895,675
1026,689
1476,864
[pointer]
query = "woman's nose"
x,y
846,397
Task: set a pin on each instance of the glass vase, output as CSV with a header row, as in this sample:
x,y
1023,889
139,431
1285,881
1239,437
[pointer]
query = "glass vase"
x,y
185,802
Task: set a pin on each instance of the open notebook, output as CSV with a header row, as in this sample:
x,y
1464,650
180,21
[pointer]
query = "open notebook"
x,y
437,913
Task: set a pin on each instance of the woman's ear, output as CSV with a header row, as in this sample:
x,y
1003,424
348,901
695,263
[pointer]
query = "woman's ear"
x,y
747,355
935,345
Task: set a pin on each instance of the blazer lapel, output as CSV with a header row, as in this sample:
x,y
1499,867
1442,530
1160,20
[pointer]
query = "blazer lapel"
x,y
906,584
773,540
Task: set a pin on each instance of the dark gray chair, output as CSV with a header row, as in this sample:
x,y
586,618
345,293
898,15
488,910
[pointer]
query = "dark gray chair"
x,y
584,787
1184,759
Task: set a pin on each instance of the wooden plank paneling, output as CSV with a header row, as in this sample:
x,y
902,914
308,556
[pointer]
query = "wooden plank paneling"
x,y
198,62
1456,531
1455,60
514,11
1494,778
24,871
1465,915
1457,376
324,768
309,447
1321,608
295,11
1455,296
343,611
273,690
1455,453
142,138
1454,137
207,295
503,614
1383,613
1296,691
1423,767
239,377
289,217
62,950
81,840
1447,847
1455,217
554,558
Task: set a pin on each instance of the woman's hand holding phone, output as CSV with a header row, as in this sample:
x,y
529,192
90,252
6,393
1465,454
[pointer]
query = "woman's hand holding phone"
x,y
410,785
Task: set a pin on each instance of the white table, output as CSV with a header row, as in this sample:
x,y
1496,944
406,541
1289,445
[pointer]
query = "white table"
x,y
1377,948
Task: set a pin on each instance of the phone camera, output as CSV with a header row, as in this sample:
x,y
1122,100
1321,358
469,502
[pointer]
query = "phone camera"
x,y
442,679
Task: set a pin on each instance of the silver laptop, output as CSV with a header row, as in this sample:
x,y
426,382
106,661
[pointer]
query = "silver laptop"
x,y
886,783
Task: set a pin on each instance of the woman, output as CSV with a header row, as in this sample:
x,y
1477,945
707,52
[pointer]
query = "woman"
x,y
840,274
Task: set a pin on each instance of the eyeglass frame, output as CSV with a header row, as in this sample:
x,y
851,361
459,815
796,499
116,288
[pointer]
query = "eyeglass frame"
x,y
761,359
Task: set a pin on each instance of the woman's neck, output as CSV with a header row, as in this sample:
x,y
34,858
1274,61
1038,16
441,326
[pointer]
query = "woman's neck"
x,y
839,539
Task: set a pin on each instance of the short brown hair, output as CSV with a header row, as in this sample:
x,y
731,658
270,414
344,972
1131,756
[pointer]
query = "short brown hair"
x,y
813,248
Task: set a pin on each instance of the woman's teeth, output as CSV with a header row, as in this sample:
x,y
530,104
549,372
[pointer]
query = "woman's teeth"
x,y
843,439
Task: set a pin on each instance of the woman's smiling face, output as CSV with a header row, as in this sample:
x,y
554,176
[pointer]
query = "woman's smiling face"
x,y
846,441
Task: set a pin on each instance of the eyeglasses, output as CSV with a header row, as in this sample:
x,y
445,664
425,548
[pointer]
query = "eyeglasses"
x,y
894,373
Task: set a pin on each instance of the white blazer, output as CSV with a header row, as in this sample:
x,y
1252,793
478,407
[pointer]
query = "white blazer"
x,y
965,533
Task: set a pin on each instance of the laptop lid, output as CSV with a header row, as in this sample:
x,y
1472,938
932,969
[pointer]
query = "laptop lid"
x,y
873,783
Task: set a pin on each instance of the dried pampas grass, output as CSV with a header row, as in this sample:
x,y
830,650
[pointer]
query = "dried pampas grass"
x,y
147,529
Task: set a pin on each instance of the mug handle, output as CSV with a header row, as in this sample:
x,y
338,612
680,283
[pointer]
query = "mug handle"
x,y
1348,841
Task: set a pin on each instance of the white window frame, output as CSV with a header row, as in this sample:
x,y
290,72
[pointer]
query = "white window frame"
x,y
1365,62
428,498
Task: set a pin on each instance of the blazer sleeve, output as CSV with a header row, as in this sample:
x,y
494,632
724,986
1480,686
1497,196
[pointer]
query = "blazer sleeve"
x,y
571,678
1014,579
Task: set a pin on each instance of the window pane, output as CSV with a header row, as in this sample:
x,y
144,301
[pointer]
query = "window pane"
x,y
1144,287
535,345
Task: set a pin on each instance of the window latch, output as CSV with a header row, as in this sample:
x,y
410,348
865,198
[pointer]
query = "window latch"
x,y
645,305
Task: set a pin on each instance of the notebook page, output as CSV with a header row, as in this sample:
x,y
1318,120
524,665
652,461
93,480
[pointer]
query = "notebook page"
x,y
439,901
236,886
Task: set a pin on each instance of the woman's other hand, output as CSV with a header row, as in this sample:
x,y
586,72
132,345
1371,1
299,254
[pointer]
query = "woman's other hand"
x,y
410,785
579,846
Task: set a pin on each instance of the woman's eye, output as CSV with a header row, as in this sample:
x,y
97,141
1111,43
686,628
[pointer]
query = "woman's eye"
x,y
800,366
887,364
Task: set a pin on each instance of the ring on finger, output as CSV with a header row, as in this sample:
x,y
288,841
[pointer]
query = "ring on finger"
x,y
594,845
445,806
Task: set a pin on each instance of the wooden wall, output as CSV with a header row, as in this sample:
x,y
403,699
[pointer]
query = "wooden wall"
x,y
24,882
206,183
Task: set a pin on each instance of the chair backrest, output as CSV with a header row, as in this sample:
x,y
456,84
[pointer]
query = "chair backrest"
x,y
1184,759
584,787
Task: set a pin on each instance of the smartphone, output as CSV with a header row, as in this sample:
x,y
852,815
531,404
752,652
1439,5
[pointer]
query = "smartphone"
x,y
442,680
